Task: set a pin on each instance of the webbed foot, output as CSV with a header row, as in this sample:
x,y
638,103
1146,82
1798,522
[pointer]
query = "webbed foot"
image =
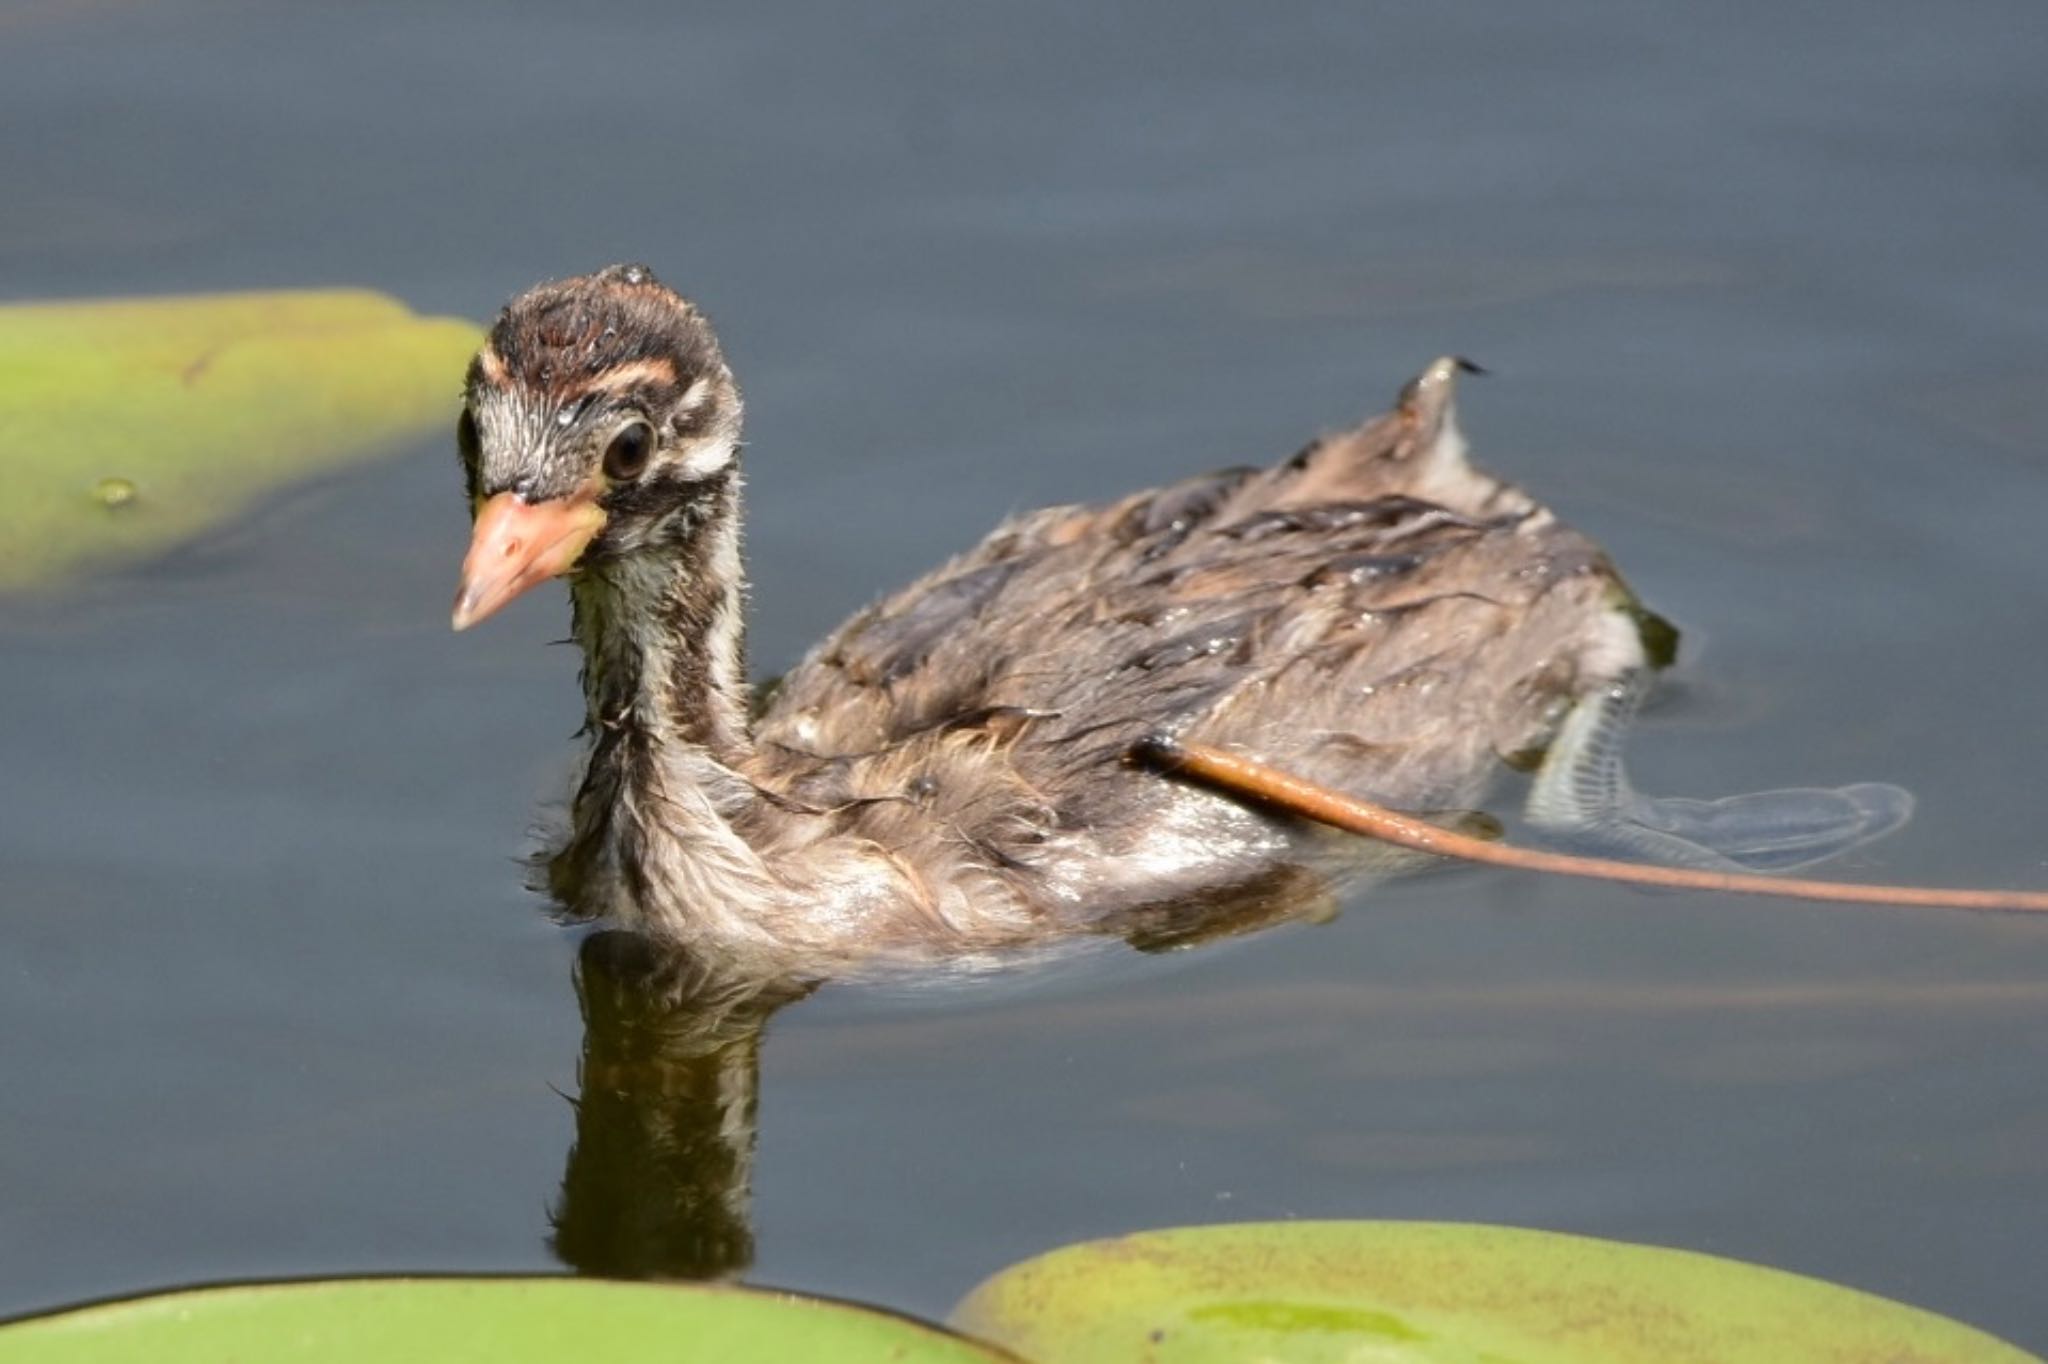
x,y
1582,798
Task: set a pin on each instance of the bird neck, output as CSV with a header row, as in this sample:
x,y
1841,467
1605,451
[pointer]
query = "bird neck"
x,y
656,831
669,830
663,634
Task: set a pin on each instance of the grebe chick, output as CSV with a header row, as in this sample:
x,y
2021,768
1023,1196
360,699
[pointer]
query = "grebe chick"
x,y
943,775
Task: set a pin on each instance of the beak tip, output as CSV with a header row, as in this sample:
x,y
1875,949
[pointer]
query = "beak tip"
x,y
515,545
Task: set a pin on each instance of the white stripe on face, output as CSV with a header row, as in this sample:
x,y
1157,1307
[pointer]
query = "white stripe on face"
x,y
705,459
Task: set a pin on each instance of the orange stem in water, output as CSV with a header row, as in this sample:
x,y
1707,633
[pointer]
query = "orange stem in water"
x,y
1252,780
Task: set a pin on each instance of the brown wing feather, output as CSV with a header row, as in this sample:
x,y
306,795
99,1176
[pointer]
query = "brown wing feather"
x,y
1373,613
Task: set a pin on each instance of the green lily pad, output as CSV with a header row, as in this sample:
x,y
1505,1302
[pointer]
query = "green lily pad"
x,y
479,1321
127,425
1432,1293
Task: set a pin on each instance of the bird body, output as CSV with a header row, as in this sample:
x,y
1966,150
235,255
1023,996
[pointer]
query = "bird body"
x,y
943,776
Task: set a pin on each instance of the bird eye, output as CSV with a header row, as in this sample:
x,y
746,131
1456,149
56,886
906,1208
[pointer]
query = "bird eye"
x,y
626,456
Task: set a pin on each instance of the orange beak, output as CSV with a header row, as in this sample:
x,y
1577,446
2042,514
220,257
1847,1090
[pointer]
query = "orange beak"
x,y
517,545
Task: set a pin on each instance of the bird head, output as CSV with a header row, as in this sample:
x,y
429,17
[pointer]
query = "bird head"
x,y
596,419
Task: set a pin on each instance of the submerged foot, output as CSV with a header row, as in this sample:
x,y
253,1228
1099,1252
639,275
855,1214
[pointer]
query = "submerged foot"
x,y
1582,798
1762,831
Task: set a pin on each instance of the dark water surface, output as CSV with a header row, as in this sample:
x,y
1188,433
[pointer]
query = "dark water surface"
x,y
1763,287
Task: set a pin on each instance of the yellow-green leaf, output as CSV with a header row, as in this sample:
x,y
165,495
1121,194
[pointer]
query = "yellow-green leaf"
x,y
1431,1293
127,425
479,1321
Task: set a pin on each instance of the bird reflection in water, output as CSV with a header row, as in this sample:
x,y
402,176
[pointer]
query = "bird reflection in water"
x,y
657,1184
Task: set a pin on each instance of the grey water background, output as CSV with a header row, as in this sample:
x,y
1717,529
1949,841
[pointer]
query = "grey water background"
x,y
1762,287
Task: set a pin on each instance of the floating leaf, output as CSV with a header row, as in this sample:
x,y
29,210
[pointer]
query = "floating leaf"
x,y
478,1321
127,425
1432,1293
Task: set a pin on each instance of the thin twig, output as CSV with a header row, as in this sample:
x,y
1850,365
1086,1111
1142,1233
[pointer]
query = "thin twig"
x,y
1252,780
